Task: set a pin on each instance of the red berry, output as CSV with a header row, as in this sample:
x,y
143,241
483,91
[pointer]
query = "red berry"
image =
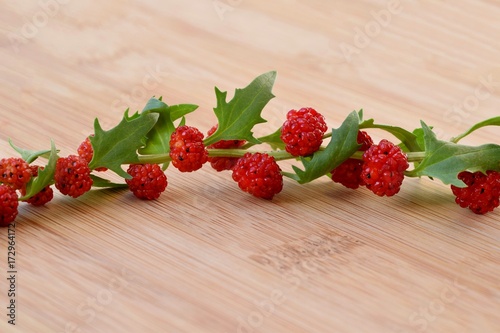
x,y
187,150
72,176
349,172
8,205
223,163
15,172
42,197
482,193
364,140
259,175
303,131
86,151
148,181
383,168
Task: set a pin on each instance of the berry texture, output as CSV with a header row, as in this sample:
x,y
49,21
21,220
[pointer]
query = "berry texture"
x,y
148,181
42,197
86,151
482,193
8,205
187,150
14,172
303,131
259,175
224,163
383,168
349,172
72,176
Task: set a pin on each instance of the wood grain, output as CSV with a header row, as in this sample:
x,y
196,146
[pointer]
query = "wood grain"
x,y
206,257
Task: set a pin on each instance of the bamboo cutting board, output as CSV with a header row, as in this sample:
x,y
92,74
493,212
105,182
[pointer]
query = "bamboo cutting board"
x,y
207,257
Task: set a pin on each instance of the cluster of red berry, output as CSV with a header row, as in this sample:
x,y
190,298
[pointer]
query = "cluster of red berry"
x,y
381,168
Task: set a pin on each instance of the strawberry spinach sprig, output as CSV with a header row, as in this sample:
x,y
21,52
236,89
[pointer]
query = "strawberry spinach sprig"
x,y
158,138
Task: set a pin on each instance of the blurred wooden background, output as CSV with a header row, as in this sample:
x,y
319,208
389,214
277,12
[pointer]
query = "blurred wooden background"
x,y
206,257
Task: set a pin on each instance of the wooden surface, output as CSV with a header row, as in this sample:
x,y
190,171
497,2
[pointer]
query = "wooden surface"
x,y
206,257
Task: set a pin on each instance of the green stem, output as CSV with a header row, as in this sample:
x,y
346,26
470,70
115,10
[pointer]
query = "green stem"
x,y
154,159
416,156
279,155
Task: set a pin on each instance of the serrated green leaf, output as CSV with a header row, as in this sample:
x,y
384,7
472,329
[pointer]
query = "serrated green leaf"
x,y
419,135
408,139
495,121
237,118
45,177
128,117
274,140
119,145
154,104
105,183
291,175
30,155
445,160
158,138
342,145
176,111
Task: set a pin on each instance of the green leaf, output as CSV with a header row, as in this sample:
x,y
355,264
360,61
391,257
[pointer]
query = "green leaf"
x,y
291,175
180,110
488,122
176,111
420,136
445,160
274,140
45,177
159,136
101,182
237,118
154,104
408,139
342,145
119,145
360,115
182,122
158,141
30,155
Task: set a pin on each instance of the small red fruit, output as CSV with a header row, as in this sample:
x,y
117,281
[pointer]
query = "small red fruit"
x,y
72,176
482,194
148,181
187,150
259,175
8,205
224,163
42,197
303,131
15,172
383,168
